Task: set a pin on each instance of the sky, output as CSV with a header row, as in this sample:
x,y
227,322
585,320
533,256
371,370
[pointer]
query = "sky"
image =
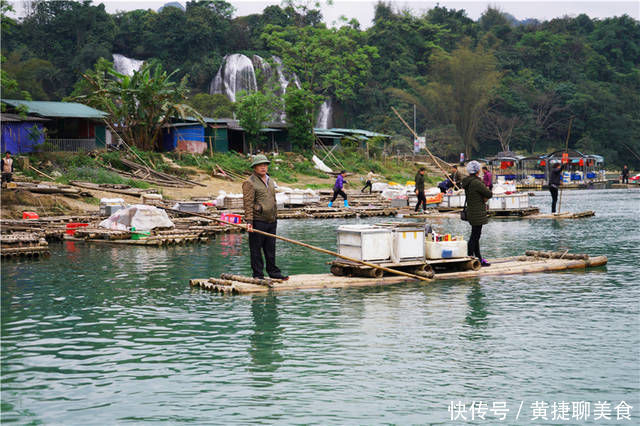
x,y
363,10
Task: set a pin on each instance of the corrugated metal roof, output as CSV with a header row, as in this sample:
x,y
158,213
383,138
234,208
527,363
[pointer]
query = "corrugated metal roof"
x,y
366,133
327,133
57,109
16,118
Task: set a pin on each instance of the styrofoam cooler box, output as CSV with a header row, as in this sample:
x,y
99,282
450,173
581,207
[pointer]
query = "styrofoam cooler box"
x,y
516,201
445,249
399,201
496,202
311,198
453,201
296,198
190,206
365,242
108,210
109,206
407,244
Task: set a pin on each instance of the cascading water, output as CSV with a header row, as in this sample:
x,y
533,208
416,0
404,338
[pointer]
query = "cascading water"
x,y
235,74
238,72
125,65
325,116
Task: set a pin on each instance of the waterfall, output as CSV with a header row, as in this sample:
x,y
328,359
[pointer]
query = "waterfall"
x,y
264,73
235,74
238,72
125,65
325,116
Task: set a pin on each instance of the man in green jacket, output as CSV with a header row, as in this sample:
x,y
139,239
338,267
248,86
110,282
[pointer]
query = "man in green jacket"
x,y
260,213
476,194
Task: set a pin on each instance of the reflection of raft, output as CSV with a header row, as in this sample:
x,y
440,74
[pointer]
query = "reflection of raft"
x,y
505,266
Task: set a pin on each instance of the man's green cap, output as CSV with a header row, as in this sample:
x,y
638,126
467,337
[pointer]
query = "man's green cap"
x,y
260,159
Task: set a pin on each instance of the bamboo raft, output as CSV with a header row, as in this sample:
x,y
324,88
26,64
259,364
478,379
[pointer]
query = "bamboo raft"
x,y
23,244
196,234
534,262
529,215
566,215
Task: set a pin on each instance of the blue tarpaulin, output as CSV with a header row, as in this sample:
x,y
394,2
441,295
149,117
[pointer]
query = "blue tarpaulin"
x,y
21,137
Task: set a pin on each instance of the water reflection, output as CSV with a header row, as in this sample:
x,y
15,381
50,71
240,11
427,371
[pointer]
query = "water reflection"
x,y
230,245
266,340
477,315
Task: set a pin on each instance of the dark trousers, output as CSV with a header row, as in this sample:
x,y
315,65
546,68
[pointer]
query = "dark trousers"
x,y
554,198
625,178
261,243
421,200
337,192
367,185
7,177
473,245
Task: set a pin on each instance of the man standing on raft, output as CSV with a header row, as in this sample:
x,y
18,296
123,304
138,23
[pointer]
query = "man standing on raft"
x,y
260,213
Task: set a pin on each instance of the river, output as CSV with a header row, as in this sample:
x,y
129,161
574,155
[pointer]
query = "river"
x,y
103,335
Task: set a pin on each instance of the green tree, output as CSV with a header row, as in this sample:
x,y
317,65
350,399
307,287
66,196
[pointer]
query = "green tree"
x,y
217,105
36,76
71,35
462,86
328,62
253,110
139,105
299,107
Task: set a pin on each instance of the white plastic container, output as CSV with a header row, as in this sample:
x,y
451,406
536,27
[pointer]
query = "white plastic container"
x,y
407,244
296,198
311,198
516,201
400,201
445,249
496,202
109,206
190,207
453,201
365,242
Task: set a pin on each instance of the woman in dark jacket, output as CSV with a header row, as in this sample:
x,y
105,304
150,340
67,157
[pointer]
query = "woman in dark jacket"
x,y
477,195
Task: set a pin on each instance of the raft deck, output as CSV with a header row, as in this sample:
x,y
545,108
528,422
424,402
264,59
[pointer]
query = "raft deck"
x,y
503,266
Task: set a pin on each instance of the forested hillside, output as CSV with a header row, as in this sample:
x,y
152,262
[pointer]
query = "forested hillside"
x,y
481,86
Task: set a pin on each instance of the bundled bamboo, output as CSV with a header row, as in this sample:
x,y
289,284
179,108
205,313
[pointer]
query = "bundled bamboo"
x,y
556,255
242,279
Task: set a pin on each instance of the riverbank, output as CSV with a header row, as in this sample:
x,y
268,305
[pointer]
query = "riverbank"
x,y
200,177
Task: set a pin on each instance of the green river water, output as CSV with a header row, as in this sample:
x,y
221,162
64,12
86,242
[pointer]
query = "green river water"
x,y
109,335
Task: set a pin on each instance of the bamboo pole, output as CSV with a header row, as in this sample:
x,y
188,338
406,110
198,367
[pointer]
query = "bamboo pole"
x,y
40,173
427,149
318,249
566,149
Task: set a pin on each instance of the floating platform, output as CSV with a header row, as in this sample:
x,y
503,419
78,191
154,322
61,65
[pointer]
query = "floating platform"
x,y
20,244
512,215
567,215
526,264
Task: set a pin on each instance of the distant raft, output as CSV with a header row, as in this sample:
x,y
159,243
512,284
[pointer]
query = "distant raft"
x,y
530,262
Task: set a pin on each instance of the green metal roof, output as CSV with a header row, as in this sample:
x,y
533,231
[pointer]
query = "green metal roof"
x,y
57,109
366,133
327,133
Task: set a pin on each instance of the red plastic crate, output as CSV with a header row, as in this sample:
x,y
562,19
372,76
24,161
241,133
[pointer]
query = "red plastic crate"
x,y
73,226
231,218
